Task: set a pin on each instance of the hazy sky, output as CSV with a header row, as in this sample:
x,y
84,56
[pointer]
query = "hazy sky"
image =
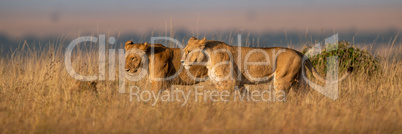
x,y
44,17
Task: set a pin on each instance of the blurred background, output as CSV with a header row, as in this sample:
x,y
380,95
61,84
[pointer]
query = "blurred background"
x,y
269,22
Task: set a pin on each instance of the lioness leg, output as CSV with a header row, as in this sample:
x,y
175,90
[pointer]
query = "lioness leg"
x,y
225,85
300,85
222,77
158,86
282,87
242,89
288,64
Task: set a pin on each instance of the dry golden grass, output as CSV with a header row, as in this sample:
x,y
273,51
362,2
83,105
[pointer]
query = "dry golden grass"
x,y
36,97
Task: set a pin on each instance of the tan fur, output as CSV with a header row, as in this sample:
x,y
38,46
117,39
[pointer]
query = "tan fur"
x,y
285,64
163,63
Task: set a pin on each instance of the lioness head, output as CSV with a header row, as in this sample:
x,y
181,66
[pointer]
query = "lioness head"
x,y
134,56
193,52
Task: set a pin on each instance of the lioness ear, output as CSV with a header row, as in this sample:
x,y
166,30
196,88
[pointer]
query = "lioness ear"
x,y
192,39
202,43
143,47
129,44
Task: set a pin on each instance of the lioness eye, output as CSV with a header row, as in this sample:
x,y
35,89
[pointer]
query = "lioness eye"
x,y
134,58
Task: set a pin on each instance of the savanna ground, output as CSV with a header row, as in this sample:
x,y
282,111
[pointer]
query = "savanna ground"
x,y
37,95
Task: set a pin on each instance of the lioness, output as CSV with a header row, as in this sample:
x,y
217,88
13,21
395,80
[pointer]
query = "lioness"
x,y
164,65
255,65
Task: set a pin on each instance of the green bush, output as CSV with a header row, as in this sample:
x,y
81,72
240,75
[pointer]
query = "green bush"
x,y
361,60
